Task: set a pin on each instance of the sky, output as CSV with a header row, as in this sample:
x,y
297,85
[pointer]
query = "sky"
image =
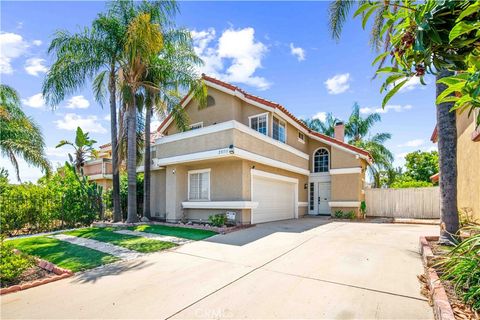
x,y
281,51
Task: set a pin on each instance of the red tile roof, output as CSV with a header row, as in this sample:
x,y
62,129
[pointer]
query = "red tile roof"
x,y
278,106
434,137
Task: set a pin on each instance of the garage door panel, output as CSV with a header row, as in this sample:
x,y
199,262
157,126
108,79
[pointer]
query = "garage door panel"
x,y
276,199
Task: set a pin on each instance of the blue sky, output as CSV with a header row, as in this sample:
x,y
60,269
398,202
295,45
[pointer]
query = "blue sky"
x,y
281,51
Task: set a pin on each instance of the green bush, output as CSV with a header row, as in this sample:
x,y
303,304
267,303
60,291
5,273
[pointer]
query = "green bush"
x,y
408,182
218,220
461,267
61,200
363,208
124,195
12,264
339,214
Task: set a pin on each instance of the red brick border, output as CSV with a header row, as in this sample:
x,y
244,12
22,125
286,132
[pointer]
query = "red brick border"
x,y
442,309
60,273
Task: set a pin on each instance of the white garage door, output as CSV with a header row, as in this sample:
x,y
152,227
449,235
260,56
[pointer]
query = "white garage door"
x,y
275,197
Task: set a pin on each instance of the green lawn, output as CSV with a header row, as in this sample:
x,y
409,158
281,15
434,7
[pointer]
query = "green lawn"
x,y
63,254
139,244
186,233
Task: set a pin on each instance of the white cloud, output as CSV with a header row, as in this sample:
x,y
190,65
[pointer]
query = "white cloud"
x,y
411,84
77,102
234,58
107,117
60,154
35,66
35,101
297,52
12,46
71,121
37,42
412,143
388,107
338,83
320,116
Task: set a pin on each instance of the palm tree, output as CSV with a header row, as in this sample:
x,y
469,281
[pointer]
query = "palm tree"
x,y
83,149
78,57
326,127
20,136
357,130
173,71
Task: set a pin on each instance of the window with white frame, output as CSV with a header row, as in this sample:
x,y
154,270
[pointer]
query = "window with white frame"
x,y
321,160
301,137
260,123
279,130
197,125
199,185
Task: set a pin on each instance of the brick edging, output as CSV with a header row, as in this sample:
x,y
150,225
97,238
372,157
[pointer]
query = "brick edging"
x,y
60,273
442,309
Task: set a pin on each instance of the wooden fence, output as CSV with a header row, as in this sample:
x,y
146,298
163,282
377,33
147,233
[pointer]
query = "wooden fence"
x,y
418,203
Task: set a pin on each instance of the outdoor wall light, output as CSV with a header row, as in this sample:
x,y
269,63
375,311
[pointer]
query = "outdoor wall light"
x,y
305,186
230,149
173,171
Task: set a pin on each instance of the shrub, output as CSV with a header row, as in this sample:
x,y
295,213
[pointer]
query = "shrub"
x,y
339,214
124,195
461,267
218,220
408,182
363,208
12,264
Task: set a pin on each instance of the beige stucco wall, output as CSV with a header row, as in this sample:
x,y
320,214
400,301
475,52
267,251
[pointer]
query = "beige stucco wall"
x,y
346,187
158,193
468,166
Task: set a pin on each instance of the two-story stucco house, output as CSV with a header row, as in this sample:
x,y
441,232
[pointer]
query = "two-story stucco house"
x,y
252,157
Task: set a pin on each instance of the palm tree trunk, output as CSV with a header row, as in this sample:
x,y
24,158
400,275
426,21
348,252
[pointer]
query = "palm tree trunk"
x,y
132,160
117,214
447,154
146,166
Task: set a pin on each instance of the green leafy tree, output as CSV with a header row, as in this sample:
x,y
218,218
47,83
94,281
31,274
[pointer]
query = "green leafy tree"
x,y
405,181
83,147
421,165
20,136
441,38
326,127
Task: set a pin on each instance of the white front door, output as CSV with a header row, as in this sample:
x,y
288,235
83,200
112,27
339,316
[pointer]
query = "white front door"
x,y
323,197
319,197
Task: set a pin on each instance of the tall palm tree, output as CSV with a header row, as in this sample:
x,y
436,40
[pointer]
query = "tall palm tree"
x,y
83,147
20,136
446,127
173,71
357,131
326,127
82,56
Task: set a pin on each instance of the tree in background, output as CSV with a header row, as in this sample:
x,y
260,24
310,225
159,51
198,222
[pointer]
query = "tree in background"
x,y
83,147
20,136
326,127
358,132
421,165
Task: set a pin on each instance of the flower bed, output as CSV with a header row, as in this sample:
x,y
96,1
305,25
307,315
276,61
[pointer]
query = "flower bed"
x,y
42,272
445,302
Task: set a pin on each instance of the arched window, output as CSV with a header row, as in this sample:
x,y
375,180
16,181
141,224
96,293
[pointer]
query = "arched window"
x,y
210,101
321,160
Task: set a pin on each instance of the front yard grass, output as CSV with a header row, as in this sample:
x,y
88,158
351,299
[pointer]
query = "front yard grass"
x,y
139,244
179,232
63,254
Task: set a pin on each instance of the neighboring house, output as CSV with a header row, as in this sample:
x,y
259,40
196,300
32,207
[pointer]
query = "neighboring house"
x,y
468,164
100,169
253,159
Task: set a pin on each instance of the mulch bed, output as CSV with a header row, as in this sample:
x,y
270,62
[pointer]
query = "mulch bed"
x,y
433,286
29,275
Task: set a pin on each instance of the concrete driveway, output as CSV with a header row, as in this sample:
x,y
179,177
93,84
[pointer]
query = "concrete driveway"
x,y
306,268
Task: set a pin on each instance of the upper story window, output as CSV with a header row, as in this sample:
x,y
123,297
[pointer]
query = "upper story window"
x,y
199,185
197,125
321,160
301,137
259,123
210,101
279,130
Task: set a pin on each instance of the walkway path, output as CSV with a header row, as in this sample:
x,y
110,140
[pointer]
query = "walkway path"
x,y
120,252
154,236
